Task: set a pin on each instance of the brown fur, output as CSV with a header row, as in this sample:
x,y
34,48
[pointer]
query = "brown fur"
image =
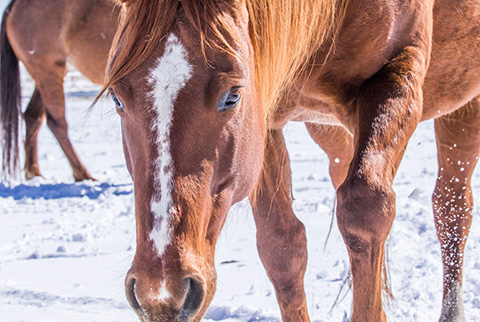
x,y
279,56
371,68
43,34
141,33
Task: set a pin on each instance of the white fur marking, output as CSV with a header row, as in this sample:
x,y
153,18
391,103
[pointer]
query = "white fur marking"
x,y
164,294
167,79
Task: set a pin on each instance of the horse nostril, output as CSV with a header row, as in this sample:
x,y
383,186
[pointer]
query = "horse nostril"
x,y
193,299
131,296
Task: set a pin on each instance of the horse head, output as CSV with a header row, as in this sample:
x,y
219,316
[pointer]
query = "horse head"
x,y
193,133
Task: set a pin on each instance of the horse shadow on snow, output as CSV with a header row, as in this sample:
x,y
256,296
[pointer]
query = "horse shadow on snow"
x,y
64,190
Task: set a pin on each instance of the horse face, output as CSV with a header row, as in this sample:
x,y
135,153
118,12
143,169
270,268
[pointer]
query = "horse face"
x,y
193,141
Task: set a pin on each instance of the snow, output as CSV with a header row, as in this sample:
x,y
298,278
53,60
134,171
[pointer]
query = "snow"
x,y
65,247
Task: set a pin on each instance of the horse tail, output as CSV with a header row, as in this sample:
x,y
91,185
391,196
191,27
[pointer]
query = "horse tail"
x,y
10,101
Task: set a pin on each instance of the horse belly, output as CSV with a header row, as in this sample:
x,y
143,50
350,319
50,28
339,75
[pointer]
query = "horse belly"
x,y
90,58
34,34
90,36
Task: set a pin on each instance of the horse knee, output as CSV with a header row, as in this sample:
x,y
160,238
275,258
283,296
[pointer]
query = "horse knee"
x,y
452,208
285,260
450,196
364,215
33,118
56,124
284,252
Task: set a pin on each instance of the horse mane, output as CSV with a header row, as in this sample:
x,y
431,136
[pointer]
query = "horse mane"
x,y
284,34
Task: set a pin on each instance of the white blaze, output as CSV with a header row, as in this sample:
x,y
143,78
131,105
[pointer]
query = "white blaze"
x,y
164,294
167,79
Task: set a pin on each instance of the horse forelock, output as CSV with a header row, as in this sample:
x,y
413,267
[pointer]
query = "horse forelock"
x,y
139,31
143,26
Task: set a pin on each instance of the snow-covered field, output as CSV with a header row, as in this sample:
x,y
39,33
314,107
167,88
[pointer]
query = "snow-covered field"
x,y
65,247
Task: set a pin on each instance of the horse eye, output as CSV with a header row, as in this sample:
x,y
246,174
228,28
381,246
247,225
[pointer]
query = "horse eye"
x,y
118,103
229,100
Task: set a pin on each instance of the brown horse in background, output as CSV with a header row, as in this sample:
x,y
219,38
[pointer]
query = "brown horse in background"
x,y
204,88
44,35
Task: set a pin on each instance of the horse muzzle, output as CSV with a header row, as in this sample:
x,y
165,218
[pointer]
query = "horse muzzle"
x,y
153,303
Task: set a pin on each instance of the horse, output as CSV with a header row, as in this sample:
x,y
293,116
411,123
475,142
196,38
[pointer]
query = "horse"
x,y
203,89
44,35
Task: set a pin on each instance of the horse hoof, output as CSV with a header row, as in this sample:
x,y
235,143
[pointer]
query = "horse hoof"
x,y
454,319
29,175
83,177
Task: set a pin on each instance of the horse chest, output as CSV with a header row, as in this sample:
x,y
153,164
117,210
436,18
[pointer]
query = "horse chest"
x,y
324,92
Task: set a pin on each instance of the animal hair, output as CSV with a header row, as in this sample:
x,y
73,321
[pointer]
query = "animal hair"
x,y
284,35
10,102
148,22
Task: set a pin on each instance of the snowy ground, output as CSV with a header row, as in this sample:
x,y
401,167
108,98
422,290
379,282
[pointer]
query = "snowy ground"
x,y
65,247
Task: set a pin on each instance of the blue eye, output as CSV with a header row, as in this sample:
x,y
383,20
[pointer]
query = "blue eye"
x,y
229,100
118,103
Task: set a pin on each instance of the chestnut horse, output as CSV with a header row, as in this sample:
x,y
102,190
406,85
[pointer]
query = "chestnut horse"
x,y
204,87
44,35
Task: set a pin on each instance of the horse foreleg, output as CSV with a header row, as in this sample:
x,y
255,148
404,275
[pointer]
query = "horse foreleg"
x,y
34,116
54,100
337,143
458,145
281,237
388,109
